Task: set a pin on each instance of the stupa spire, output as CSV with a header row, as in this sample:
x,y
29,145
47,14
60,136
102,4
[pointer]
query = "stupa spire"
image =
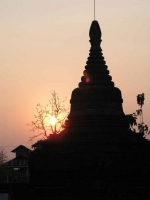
x,y
96,72
94,9
95,34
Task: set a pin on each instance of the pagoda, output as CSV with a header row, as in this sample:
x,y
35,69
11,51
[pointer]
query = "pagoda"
x,y
96,156
96,105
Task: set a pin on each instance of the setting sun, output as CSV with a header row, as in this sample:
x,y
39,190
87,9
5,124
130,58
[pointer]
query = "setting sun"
x,y
52,121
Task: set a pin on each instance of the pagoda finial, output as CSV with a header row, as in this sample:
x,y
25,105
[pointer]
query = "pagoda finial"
x,y
95,34
94,9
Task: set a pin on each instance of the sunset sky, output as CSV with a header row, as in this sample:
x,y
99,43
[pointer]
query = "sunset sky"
x,y
44,45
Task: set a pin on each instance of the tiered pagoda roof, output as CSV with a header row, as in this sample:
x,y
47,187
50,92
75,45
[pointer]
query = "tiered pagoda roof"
x,y
96,104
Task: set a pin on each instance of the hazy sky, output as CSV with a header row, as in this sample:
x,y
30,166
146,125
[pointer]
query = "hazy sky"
x,y
44,45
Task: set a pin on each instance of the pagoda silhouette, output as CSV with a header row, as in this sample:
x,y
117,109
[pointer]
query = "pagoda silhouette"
x,y
96,156
96,103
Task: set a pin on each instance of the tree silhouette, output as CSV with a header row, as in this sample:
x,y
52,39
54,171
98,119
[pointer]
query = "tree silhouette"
x,y
3,155
131,118
140,102
143,128
41,126
140,99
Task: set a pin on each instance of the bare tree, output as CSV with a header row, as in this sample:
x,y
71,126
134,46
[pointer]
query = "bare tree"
x,y
50,119
3,155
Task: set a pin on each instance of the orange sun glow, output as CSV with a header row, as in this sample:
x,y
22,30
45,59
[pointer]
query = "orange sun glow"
x,y
52,121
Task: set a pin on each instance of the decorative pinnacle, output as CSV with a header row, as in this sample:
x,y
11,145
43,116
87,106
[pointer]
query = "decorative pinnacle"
x,y
94,9
96,72
95,34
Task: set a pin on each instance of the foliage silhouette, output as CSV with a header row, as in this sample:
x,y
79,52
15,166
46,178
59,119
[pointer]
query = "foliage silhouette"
x,y
132,118
140,99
